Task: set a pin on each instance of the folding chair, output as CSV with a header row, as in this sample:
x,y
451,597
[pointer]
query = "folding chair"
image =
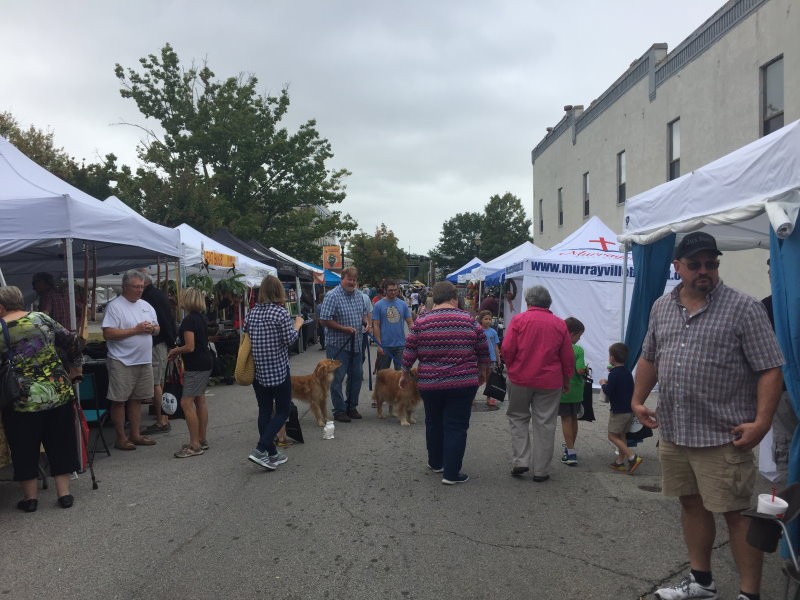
x,y
90,404
765,531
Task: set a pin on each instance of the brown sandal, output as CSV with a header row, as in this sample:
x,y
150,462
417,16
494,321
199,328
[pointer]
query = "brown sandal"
x,y
125,446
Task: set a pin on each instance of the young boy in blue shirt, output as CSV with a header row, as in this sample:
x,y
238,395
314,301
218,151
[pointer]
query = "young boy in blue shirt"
x,y
485,321
619,390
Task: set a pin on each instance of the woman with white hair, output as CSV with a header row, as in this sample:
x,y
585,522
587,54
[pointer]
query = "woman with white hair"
x,y
538,354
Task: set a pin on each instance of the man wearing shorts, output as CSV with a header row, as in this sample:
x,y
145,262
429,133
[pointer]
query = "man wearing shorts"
x,y
162,343
129,325
715,357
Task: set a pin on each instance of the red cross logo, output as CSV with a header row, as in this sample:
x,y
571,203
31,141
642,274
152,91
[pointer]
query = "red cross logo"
x,y
604,243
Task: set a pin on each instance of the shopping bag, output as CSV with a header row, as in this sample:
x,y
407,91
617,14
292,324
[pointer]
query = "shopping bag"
x,y
496,384
173,384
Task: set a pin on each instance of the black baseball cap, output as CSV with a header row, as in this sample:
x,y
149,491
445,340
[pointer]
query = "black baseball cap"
x,y
697,241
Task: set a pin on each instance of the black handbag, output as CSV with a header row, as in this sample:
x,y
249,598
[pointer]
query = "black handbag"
x,y
587,409
496,384
10,388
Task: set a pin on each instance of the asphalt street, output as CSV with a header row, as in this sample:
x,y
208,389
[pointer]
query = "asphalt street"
x,y
356,517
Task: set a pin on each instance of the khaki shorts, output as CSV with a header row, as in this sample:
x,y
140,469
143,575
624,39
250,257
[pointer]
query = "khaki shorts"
x,y
723,476
619,423
159,363
129,383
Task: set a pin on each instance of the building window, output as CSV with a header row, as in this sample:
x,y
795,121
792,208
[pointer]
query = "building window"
x,y
586,194
674,166
772,96
560,207
541,215
621,177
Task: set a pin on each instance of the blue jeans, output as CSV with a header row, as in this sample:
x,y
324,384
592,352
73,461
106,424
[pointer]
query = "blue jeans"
x,y
447,414
352,367
389,356
274,404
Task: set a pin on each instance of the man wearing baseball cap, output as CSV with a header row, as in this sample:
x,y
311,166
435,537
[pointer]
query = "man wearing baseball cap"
x,y
715,357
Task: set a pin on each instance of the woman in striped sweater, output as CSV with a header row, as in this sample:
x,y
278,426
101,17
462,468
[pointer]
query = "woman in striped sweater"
x,y
453,361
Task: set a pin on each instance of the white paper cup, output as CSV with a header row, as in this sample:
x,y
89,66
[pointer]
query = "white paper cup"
x,y
767,505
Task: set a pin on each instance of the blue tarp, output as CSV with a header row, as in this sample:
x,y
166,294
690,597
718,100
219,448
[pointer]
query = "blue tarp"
x,y
331,278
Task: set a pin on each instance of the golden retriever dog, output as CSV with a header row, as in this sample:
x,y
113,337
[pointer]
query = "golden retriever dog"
x,y
401,401
314,388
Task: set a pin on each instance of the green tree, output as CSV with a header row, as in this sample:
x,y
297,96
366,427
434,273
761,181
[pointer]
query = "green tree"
x,y
457,242
222,158
505,225
377,256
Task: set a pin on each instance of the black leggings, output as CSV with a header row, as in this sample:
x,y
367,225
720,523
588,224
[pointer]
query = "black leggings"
x,y
27,432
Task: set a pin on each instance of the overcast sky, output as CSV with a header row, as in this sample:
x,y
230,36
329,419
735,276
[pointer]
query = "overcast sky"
x,y
433,106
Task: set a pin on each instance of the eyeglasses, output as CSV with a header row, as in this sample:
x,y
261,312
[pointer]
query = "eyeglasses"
x,y
391,290
135,287
694,265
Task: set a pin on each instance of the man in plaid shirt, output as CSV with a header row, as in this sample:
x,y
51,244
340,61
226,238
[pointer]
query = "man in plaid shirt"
x,y
344,313
717,362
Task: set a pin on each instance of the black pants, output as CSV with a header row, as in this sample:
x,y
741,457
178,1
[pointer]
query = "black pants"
x,y
27,432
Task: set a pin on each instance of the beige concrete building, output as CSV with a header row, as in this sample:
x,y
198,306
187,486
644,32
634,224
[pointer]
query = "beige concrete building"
x,y
734,79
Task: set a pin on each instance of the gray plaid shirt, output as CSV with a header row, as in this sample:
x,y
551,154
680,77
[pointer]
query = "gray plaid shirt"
x,y
708,364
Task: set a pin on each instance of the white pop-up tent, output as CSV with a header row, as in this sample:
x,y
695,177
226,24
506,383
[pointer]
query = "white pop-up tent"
x,y
461,274
201,253
492,271
584,275
42,216
749,198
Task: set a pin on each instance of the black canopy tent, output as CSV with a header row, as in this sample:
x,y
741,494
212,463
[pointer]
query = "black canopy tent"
x,y
286,270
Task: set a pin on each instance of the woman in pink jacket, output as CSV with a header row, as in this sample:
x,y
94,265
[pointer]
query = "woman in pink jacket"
x,y
538,354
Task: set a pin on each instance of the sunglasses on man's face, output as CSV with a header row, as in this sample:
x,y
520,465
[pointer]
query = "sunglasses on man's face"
x,y
694,265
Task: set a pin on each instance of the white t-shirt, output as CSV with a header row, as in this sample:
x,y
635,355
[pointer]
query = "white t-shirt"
x,y
124,314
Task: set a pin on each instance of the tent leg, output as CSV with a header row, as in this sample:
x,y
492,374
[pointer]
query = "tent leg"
x,y
2,278
73,321
624,317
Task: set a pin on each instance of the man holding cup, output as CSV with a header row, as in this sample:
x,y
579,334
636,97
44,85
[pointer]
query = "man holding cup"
x,y
129,325
715,357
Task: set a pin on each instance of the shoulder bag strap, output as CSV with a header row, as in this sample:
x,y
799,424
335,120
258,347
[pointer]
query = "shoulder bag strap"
x,y
9,353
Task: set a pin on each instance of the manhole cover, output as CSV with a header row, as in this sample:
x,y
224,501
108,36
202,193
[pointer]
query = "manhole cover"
x,y
650,488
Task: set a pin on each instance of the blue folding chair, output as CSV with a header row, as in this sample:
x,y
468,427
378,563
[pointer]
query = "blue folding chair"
x,y
90,404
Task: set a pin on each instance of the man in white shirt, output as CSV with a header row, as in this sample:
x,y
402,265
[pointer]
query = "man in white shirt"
x,y
129,325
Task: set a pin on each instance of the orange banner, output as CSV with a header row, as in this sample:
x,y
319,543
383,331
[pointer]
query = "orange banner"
x,y
332,257
218,259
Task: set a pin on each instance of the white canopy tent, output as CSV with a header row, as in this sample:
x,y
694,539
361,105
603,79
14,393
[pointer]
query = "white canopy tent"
x,y
734,198
461,275
41,216
198,253
496,266
585,277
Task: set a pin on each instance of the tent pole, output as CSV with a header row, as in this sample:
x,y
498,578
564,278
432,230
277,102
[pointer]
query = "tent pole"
x,y
2,278
300,310
624,294
73,323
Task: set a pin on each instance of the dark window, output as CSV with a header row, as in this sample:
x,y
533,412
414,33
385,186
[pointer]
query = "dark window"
x,y
560,206
586,194
674,133
621,178
772,96
541,215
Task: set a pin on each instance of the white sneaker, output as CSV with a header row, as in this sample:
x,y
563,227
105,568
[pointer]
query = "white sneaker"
x,y
688,589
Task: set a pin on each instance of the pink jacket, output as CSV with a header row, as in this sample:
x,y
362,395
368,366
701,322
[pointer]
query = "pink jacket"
x,y
537,350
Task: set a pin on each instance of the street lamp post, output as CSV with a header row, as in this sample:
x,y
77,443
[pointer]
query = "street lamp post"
x,y
342,242
478,252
